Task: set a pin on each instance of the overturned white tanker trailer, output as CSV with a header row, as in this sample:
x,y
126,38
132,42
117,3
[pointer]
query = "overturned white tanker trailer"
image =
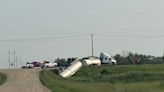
x,y
91,61
72,69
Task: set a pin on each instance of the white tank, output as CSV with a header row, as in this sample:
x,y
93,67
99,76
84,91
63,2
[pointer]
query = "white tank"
x,y
91,61
71,70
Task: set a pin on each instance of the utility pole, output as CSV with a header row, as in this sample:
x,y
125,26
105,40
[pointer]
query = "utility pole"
x,y
20,61
16,62
92,43
9,58
14,58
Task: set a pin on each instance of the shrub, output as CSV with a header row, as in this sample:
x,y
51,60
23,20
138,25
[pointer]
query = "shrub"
x,y
3,78
138,77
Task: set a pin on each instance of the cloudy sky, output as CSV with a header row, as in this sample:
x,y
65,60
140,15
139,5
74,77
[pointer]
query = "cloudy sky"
x,y
47,29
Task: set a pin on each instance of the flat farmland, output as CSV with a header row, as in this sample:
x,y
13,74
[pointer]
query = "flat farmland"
x,y
121,78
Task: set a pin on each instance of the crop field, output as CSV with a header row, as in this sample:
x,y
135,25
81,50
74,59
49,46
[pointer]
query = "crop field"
x,y
2,78
121,78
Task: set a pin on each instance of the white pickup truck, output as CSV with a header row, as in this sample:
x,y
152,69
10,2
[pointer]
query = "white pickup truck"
x,y
28,65
47,64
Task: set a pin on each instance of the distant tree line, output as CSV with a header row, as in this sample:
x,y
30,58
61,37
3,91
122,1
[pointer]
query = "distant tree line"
x,y
135,58
64,62
128,59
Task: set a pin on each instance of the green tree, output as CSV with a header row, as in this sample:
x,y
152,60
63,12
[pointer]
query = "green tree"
x,y
136,58
62,62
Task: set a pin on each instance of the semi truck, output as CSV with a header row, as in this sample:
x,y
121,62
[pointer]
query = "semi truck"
x,y
107,59
104,59
87,61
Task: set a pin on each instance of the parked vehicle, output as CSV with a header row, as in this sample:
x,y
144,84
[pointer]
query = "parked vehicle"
x,y
107,59
36,64
29,65
48,64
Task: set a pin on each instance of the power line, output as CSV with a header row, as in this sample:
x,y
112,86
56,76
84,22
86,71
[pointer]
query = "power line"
x,y
130,36
148,30
44,38
85,29
83,36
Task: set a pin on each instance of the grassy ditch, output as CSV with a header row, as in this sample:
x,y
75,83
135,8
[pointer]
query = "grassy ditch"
x,y
2,78
108,79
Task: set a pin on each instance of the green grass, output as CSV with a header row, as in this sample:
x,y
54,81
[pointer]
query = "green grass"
x,y
2,78
129,78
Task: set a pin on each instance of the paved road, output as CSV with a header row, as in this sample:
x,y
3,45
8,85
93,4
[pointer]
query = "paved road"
x,y
22,80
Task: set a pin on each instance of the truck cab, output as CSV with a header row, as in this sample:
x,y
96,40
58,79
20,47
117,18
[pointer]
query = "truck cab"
x,y
107,59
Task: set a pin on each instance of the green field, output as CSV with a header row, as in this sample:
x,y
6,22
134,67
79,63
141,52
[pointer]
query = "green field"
x,y
2,78
127,78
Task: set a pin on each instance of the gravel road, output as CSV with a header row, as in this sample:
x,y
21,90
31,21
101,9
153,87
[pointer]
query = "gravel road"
x,y
22,80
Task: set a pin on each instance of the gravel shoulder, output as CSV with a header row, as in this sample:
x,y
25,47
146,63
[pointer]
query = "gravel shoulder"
x,y
22,80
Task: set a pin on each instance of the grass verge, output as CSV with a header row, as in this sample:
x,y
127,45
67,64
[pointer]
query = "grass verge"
x,y
108,79
3,78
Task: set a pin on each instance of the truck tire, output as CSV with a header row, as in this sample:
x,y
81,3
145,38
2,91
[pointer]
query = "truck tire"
x,y
113,63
